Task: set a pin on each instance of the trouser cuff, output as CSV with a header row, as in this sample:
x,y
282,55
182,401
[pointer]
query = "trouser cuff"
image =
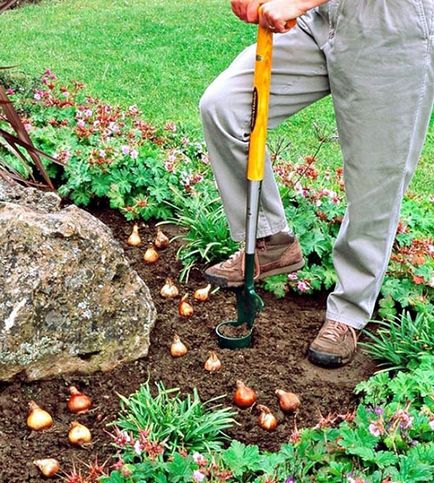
x,y
354,322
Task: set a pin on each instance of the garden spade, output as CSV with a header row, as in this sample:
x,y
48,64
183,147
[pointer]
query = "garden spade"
x,y
249,303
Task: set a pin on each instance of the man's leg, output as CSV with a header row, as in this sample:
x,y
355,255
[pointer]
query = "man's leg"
x,y
380,64
299,77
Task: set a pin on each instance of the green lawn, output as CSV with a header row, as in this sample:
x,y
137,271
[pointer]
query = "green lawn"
x,y
158,54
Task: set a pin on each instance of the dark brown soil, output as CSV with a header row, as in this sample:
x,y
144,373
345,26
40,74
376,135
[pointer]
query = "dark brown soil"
x,y
276,360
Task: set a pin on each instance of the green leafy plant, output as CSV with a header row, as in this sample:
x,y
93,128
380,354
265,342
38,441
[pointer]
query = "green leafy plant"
x,y
205,233
389,437
173,421
148,172
401,342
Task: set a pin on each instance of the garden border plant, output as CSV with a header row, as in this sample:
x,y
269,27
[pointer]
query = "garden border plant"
x,y
104,151
148,172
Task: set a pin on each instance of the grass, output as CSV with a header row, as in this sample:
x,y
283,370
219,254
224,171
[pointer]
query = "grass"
x,y
158,54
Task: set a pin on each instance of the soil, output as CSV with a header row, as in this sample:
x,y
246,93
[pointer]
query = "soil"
x,y
276,360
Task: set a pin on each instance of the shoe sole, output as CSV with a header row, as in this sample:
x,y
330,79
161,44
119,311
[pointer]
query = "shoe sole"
x,y
225,283
330,361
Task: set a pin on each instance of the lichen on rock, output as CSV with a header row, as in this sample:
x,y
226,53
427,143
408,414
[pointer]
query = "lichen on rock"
x,y
69,300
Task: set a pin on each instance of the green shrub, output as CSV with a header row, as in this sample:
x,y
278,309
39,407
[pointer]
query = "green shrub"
x,y
160,173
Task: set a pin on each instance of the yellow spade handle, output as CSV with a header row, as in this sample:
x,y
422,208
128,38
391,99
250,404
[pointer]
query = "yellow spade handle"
x,y
260,101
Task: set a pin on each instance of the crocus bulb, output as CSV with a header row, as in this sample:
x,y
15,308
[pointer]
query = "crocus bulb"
x,y
48,466
161,240
151,255
78,402
288,401
134,239
79,434
266,419
184,308
178,348
38,419
244,396
213,363
201,294
169,290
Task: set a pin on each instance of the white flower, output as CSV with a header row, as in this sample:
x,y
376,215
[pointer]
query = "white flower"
x,y
138,447
375,429
198,476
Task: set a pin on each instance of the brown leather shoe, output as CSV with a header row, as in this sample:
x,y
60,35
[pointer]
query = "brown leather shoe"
x,y
334,346
280,253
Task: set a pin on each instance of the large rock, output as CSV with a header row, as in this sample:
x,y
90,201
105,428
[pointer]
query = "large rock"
x,y
69,300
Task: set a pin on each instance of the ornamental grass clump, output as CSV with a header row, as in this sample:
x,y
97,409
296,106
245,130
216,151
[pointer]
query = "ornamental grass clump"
x,y
401,342
177,423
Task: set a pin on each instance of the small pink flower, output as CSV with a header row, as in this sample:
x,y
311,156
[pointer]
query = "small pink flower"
x,y
431,424
114,127
168,166
134,153
170,126
48,73
199,458
27,126
81,124
376,429
88,113
292,276
303,285
102,153
125,150
37,96
10,91
118,465
63,155
198,476
133,109
404,418
300,190
121,438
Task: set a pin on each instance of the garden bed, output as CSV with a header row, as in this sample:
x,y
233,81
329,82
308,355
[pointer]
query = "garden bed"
x,y
276,360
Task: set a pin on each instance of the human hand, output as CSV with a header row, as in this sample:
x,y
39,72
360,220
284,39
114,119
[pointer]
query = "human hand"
x,y
246,10
278,14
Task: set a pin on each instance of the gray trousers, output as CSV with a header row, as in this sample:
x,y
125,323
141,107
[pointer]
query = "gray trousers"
x,y
375,57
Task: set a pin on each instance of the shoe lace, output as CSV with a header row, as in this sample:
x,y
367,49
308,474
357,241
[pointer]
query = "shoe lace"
x,y
234,259
335,330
